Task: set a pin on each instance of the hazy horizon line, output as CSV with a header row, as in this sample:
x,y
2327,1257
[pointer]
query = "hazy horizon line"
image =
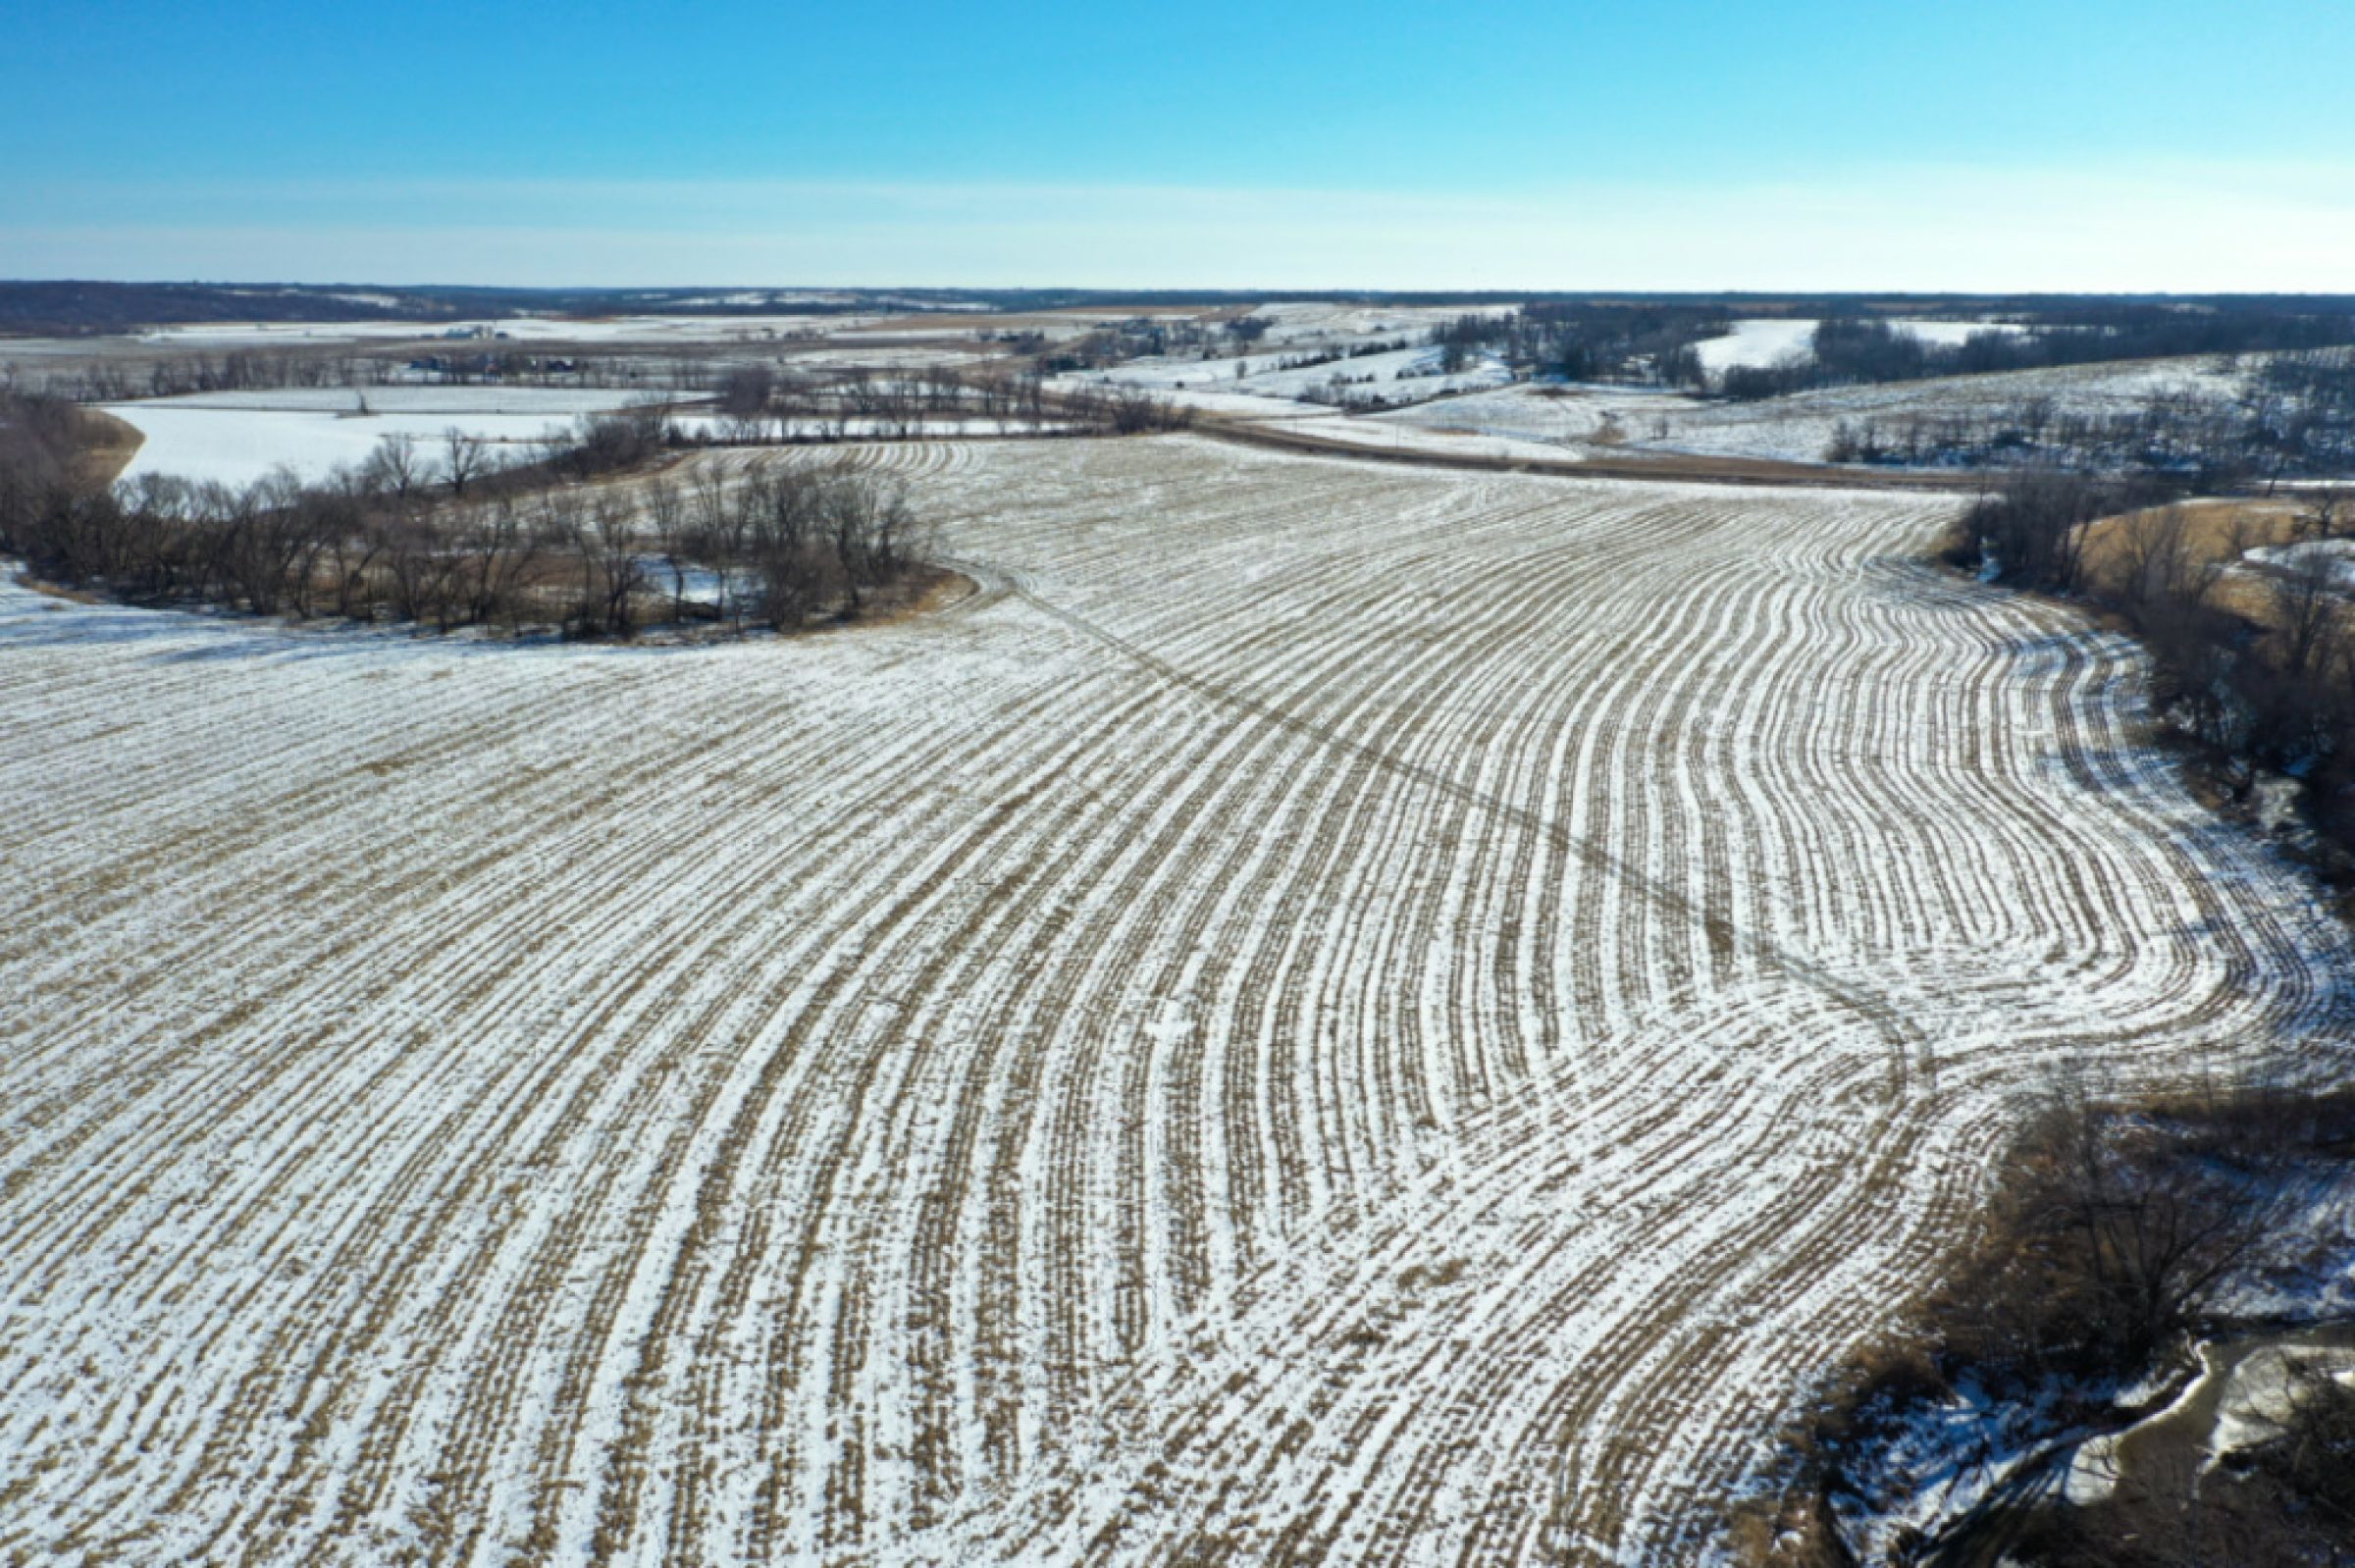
x,y
2206,228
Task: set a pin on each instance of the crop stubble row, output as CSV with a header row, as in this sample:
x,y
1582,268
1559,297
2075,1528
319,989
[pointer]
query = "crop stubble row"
x,y
1329,1011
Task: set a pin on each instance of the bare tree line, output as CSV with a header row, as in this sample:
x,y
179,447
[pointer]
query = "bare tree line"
x,y
169,375
757,402
450,544
1649,344
2105,1254
2281,695
784,541
758,405
761,407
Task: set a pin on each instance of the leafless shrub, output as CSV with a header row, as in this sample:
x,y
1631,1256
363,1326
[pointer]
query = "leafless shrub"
x,y
1125,410
2101,1256
2307,613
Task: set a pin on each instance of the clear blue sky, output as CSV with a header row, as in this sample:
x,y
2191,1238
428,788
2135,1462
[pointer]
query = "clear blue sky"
x,y
1803,143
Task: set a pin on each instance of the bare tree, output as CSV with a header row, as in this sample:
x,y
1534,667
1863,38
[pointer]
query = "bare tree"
x,y
2154,1229
747,392
352,555
324,518
786,526
463,457
499,547
614,571
2326,512
2304,601
394,466
717,526
417,567
667,512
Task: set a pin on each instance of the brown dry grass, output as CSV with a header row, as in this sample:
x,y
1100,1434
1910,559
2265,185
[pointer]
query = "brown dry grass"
x,y
71,595
108,445
920,593
2217,530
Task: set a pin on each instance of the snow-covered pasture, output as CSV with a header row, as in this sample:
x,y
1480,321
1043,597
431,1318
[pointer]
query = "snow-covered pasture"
x,y
1332,1007
236,438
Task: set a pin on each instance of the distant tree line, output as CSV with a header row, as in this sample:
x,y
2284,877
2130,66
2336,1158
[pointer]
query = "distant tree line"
x,y
758,406
1647,344
127,380
1124,410
1855,350
1118,342
78,308
756,401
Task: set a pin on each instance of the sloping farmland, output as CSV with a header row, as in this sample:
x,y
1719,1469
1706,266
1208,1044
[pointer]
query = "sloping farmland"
x,y
1329,1011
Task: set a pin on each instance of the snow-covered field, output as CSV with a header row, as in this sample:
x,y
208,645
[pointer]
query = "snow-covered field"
x,y
1581,417
1309,322
1771,340
938,427
236,438
1331,1008
1242,405
238,447
1763,342
1954,333
883,358
514,328
1392,374
1443,442
415,397
1797,428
